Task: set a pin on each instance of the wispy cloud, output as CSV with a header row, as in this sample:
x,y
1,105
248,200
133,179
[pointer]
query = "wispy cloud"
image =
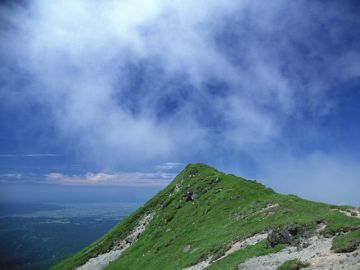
x,y
27,155
11,175
134,179
156,178
169,165
20,178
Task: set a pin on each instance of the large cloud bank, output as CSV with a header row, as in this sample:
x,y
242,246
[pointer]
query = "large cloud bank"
x,y
144,80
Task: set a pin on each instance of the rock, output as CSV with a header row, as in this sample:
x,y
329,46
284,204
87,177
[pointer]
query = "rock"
x,y
193,172
189,196
186,248
132,238
287,235
177,188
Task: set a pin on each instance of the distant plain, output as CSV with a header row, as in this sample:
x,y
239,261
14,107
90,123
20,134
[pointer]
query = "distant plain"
x,y
37,235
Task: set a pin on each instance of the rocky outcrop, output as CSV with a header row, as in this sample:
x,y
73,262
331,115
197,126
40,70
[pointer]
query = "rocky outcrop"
x,y
189,196
288,235
317,255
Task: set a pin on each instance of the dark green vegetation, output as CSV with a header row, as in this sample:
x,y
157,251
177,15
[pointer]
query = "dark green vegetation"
x,y
292,265
226,208
347,242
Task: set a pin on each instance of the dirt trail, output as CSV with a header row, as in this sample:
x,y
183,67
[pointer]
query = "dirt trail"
x,y
318,254
234,247
201,265
237,245
243,244
351,212
102,260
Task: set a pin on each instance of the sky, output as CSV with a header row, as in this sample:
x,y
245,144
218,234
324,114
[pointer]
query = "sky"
x,y
126,93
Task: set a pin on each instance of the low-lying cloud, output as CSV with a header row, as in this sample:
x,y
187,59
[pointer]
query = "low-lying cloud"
x,y
135,179
155,179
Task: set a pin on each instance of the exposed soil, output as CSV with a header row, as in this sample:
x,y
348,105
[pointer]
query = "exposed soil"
x,y
102,260
317,253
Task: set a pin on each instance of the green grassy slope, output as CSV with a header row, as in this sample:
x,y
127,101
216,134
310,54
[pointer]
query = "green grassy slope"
x,y
226,208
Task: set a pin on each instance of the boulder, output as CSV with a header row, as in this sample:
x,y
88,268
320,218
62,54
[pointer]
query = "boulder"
x,y
287,235
189,196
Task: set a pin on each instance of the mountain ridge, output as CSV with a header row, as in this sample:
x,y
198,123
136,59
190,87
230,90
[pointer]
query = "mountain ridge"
x,y
203,214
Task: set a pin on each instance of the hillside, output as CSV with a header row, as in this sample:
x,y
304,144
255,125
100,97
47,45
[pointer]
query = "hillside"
x,y
206,219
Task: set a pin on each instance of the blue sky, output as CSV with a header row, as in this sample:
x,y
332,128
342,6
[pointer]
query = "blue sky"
x,y
125,93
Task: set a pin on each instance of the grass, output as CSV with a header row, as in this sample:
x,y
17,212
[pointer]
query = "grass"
x,y
292,265
347,242
227,208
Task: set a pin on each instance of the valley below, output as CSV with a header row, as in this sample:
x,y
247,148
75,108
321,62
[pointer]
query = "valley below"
x,y
36,236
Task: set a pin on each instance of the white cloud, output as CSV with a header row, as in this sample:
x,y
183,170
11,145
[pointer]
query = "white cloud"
x,y
78,54
169,165
134,179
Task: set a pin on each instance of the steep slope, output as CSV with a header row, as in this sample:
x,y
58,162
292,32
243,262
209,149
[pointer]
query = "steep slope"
x,y
208,219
